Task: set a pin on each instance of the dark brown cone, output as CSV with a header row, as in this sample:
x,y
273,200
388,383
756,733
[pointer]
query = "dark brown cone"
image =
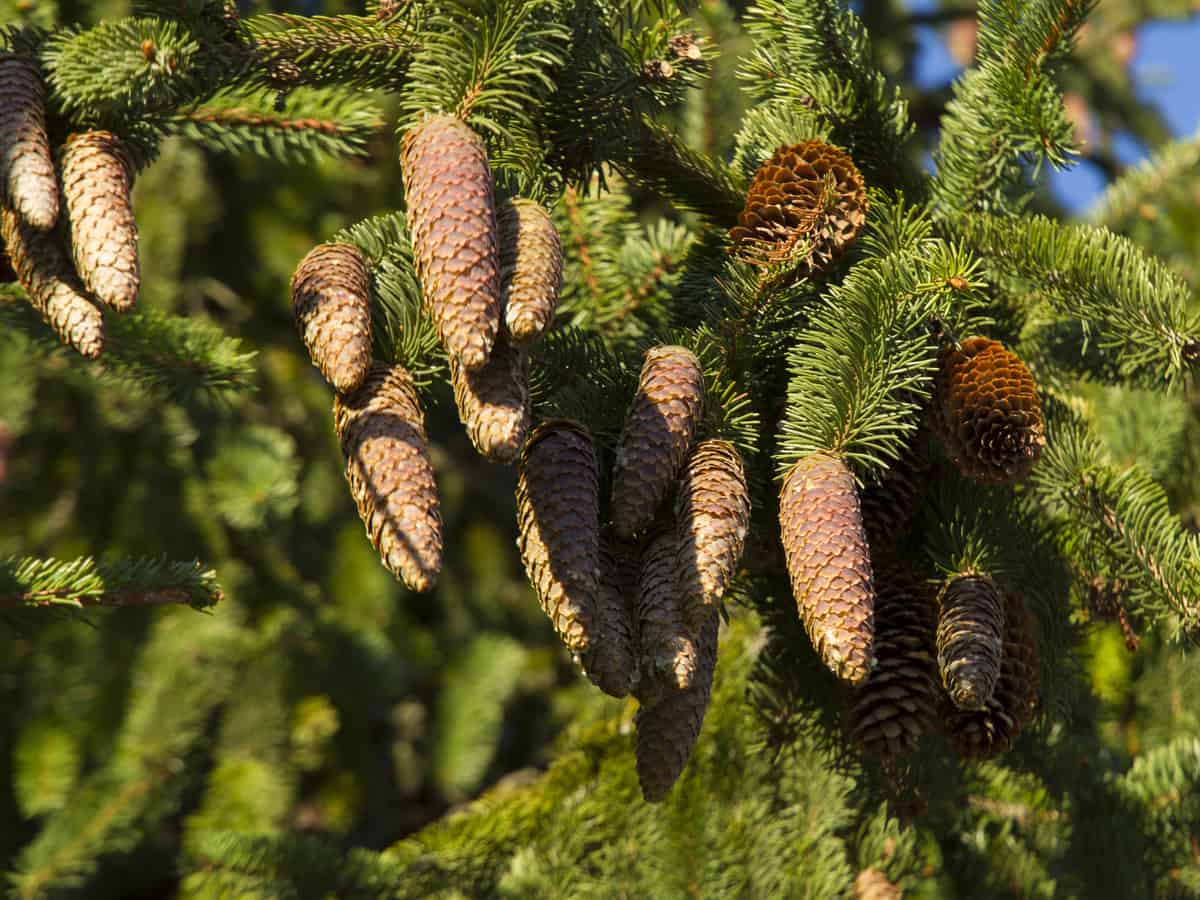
x,y
712,516
805,206
889,504
898,702
612,661
493,402
7,273
987,411
382,433
829,563
558,517
331,301
97,176
452,221
28,185
993,730
669,723
657,437
873,884
970,639
667,646
531,265
54,291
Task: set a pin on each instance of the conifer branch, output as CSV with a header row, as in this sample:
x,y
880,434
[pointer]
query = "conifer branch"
x,y
1142,185
29,582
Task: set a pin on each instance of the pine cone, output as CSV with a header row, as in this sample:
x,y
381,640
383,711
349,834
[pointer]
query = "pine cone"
x,y
382,433
493,402
531,265
331,300
970,635
7,273
28,185
558,515
889,504
712,515
987,411
612,661
898,702
805,205
829,563
669,723
658,436
667,646
97,175
873,884
53,289
452,220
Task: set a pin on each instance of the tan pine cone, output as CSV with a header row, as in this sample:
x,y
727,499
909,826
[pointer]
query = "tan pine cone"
x,y
873,884
558,518
712,515
54,291
667,646
493,402
97,176
331,302
993,729
829,563
531,265
970,639
28,185
452,221
382,433
612,661
658,435
805,206
669,722
890,503
987,410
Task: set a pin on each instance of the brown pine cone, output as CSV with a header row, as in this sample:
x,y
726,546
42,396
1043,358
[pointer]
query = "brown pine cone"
x,y
657,437
829,563
558,517
382,433
53,289
667,645
712,516
669,723
331,302
493,402
28,185
890,503
873,884
987,410
97,176
452,220
612,661
531,265
970,639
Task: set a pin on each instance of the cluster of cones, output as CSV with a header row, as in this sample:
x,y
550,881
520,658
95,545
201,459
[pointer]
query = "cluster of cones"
x,y
66,224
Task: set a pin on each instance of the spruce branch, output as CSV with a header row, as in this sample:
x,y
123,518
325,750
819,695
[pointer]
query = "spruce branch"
x,y
1142,185
30,582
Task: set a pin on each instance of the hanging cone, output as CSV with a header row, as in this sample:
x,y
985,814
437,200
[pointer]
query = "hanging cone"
x,y
54,291
558,516
873,884
669,723
889,504
829,563
97,176
657,437
987,411
667,647
712,515
611,663
531,264
331,301
28,185
7,273
382,433
493,402
970,635
993,729
452,220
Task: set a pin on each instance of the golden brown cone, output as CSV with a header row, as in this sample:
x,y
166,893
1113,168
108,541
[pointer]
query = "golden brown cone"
x,y
531,265
493,402
28,184
667,646
331,302
970,639
612,661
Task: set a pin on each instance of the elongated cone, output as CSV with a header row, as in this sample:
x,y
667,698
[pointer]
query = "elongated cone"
x,y
493,402
669,722
28,185
452,220
331,301
657,437
668,648
97,176
612,661
48,279
712,516
970,639
993,729
558,517
382,433
829,563
531,264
